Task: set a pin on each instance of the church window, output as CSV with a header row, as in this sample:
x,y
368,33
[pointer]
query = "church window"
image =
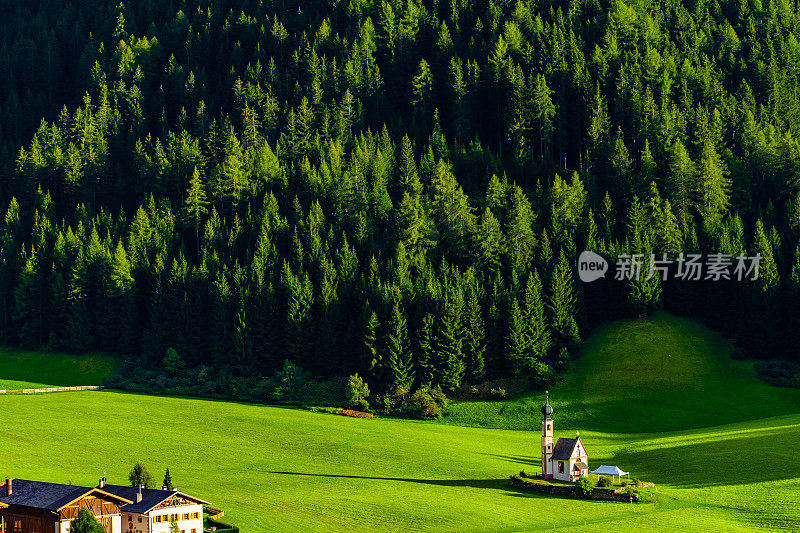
x,y
561,467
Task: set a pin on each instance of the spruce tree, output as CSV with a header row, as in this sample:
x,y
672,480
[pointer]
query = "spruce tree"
x,y
196,205
561,304
448,344
475,341
167,484
398,351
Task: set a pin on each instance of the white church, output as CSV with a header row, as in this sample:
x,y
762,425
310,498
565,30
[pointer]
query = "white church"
x,y
568,459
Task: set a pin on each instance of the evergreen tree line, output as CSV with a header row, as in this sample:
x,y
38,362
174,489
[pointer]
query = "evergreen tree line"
x,y
399,189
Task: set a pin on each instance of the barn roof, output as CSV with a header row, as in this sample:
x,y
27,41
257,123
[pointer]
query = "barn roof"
x,y
563,449
51,496
150,497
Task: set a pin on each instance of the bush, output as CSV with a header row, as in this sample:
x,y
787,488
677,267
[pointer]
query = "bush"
x,y
604,482
290,380
355,414
173,363
427,403
327,410
635,481
584,487
497,394
542,374
357,393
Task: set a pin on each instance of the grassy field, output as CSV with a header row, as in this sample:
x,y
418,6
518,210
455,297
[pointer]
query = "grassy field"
x,y
662,374
28,370
274,469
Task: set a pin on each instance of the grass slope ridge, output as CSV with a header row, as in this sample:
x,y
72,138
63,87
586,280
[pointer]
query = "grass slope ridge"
x,y
660,374
277,469
28,370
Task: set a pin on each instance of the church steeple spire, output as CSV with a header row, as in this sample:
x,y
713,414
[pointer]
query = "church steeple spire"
x,y
547,438
547,409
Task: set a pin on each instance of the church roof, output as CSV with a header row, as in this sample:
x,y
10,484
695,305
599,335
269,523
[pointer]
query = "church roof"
x,y
563,449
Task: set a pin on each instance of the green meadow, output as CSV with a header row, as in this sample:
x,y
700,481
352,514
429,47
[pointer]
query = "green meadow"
x,y
29,370
656,397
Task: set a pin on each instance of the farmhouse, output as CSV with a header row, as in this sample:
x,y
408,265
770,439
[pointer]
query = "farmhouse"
x,y
152,511
568,459
37,507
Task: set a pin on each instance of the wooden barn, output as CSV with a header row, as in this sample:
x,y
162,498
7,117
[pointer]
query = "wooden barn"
x,y
38,507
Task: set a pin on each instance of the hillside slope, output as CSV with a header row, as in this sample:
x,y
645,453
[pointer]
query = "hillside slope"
x,y
21,369
276,469
660,374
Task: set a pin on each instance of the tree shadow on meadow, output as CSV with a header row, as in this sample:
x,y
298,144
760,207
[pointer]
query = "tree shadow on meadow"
x,y
727,459
472,483
498,484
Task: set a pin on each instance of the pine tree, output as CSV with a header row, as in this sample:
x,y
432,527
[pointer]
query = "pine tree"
x,y
681,178
372,360
448,344
517,341
196,205
167,484
714,185
398,351
86,522
422,100
561,303
424,351
489,241
543,110
533,315
232,173
475,341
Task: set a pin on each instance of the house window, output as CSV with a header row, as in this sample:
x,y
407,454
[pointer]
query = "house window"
x,y
561,467
196,515
549,427
130,517
186,516
140,519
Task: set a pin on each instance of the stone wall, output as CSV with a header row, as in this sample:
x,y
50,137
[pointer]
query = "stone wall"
x,y
52,389
569,491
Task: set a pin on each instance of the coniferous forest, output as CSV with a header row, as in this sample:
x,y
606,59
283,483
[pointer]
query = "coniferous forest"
x,y
395,188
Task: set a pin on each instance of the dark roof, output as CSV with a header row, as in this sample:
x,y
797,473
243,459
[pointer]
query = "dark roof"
x,y
563,449
580,465
50,496
150,497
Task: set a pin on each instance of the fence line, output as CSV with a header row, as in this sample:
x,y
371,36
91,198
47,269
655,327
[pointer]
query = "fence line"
x,y
52,389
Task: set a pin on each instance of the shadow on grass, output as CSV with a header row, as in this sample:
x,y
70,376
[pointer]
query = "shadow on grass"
x,y
519,459
472,483
499,484
756,457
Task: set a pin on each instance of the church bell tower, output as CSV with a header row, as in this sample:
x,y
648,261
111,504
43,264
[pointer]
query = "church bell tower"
x,y
547,439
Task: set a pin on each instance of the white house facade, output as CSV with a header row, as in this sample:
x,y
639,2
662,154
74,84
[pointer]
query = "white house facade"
x,y
153,511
